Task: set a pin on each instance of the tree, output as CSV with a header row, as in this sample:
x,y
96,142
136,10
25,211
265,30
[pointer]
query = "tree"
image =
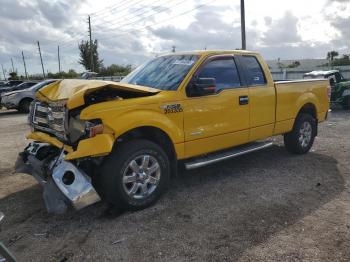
x,y
331,55
70,74
294,64
115,70
85,56
13,76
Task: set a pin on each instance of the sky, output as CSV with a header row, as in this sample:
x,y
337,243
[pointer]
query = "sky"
x,y
132,31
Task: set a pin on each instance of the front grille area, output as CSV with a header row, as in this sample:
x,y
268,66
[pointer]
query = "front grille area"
x,y
49,118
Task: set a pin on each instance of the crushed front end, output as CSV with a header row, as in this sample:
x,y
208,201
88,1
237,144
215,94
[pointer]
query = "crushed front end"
x,y
64,182
68,146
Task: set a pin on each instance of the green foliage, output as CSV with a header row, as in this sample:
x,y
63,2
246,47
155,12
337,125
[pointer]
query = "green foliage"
x,y
343,61
13,76
331,55
115,70
85,56
294,64
70,74
333,61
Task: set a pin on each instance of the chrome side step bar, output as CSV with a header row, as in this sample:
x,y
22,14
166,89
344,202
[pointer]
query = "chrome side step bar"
x,y
231,153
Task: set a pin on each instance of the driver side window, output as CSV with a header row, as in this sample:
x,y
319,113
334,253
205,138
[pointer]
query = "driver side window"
x,y
224,71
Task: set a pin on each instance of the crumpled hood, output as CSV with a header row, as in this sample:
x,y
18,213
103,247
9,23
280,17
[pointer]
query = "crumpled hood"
x,y
74,90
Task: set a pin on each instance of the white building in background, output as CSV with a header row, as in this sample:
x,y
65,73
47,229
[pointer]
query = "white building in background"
x,y
280,71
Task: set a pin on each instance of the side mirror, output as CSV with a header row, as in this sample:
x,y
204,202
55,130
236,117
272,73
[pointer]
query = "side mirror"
x,y
203,86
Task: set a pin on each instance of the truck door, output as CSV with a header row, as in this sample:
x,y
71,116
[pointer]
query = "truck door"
x,y
221,119
262,100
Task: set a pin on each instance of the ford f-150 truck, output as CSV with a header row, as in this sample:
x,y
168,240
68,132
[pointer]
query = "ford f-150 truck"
x,y
121,142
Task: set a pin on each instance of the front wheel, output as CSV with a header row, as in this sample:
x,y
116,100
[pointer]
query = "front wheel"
x,y
301,138
135,175
24,105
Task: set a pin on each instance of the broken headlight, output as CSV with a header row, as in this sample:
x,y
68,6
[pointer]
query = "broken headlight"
x,y
80,129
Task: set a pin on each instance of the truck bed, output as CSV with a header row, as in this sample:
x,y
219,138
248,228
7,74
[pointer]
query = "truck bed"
x,y
291,96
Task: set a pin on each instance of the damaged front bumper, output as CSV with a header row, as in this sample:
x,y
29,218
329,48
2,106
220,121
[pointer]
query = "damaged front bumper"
x,y
64,183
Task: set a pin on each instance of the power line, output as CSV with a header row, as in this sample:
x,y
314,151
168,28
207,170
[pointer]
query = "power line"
x,y
159,9
70,42
127,14
108,8
162,21
162,10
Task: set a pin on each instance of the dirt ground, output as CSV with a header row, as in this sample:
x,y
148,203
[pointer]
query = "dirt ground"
x,y
266,206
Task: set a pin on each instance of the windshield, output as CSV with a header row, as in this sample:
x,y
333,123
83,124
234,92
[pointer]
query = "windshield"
x,y
165,72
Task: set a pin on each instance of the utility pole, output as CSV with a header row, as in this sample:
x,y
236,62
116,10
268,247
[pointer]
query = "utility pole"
x,y
243,26
59,59
41,59
91,49
173,49
13,68
25,67
3,71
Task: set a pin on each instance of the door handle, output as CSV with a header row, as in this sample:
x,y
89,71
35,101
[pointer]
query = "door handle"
x,y
243,100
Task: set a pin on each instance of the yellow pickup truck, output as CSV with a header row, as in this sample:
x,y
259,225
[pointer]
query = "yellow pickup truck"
x,y
121,142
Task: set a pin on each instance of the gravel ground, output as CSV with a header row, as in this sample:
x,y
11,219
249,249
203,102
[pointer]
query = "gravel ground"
x,y
266,206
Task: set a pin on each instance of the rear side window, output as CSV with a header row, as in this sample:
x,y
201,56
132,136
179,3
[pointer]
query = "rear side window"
x,y
224,71
254,73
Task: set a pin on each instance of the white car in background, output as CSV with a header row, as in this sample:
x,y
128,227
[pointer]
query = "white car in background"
x,y
21,99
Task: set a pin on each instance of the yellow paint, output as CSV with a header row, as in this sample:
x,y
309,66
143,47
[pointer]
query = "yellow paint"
x,y
212,122
96,146
206,124
75,89
43,137
284,126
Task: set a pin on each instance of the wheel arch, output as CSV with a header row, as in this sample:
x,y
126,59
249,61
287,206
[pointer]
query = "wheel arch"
x,y
310,109
155,135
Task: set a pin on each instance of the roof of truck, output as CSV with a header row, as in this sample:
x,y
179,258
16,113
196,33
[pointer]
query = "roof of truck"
x,y
212,52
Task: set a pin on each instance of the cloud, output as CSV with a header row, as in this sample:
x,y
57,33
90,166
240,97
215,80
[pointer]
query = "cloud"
x,y
282,32
124,38
207,30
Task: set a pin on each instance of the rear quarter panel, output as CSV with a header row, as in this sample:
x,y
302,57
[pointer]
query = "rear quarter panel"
x,y
291,96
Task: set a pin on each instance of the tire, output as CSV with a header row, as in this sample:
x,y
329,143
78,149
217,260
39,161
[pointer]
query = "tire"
x,y
346,103
122,187
24,105
301,138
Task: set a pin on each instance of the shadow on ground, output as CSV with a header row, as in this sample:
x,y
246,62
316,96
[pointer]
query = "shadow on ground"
x,y
213,213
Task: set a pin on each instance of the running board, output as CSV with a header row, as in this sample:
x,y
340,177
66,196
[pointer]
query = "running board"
x,y
227,154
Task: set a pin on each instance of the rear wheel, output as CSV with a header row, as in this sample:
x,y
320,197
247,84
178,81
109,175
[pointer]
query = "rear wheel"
x,y
301,138
24,105
346,103
135,175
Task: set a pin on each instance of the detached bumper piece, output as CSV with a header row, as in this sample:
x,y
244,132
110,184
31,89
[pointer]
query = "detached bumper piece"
x,y
63,182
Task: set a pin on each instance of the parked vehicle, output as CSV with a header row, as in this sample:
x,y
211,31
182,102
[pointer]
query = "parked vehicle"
x,y
122,141
21,86
11,83
21,99
5,254
340,86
